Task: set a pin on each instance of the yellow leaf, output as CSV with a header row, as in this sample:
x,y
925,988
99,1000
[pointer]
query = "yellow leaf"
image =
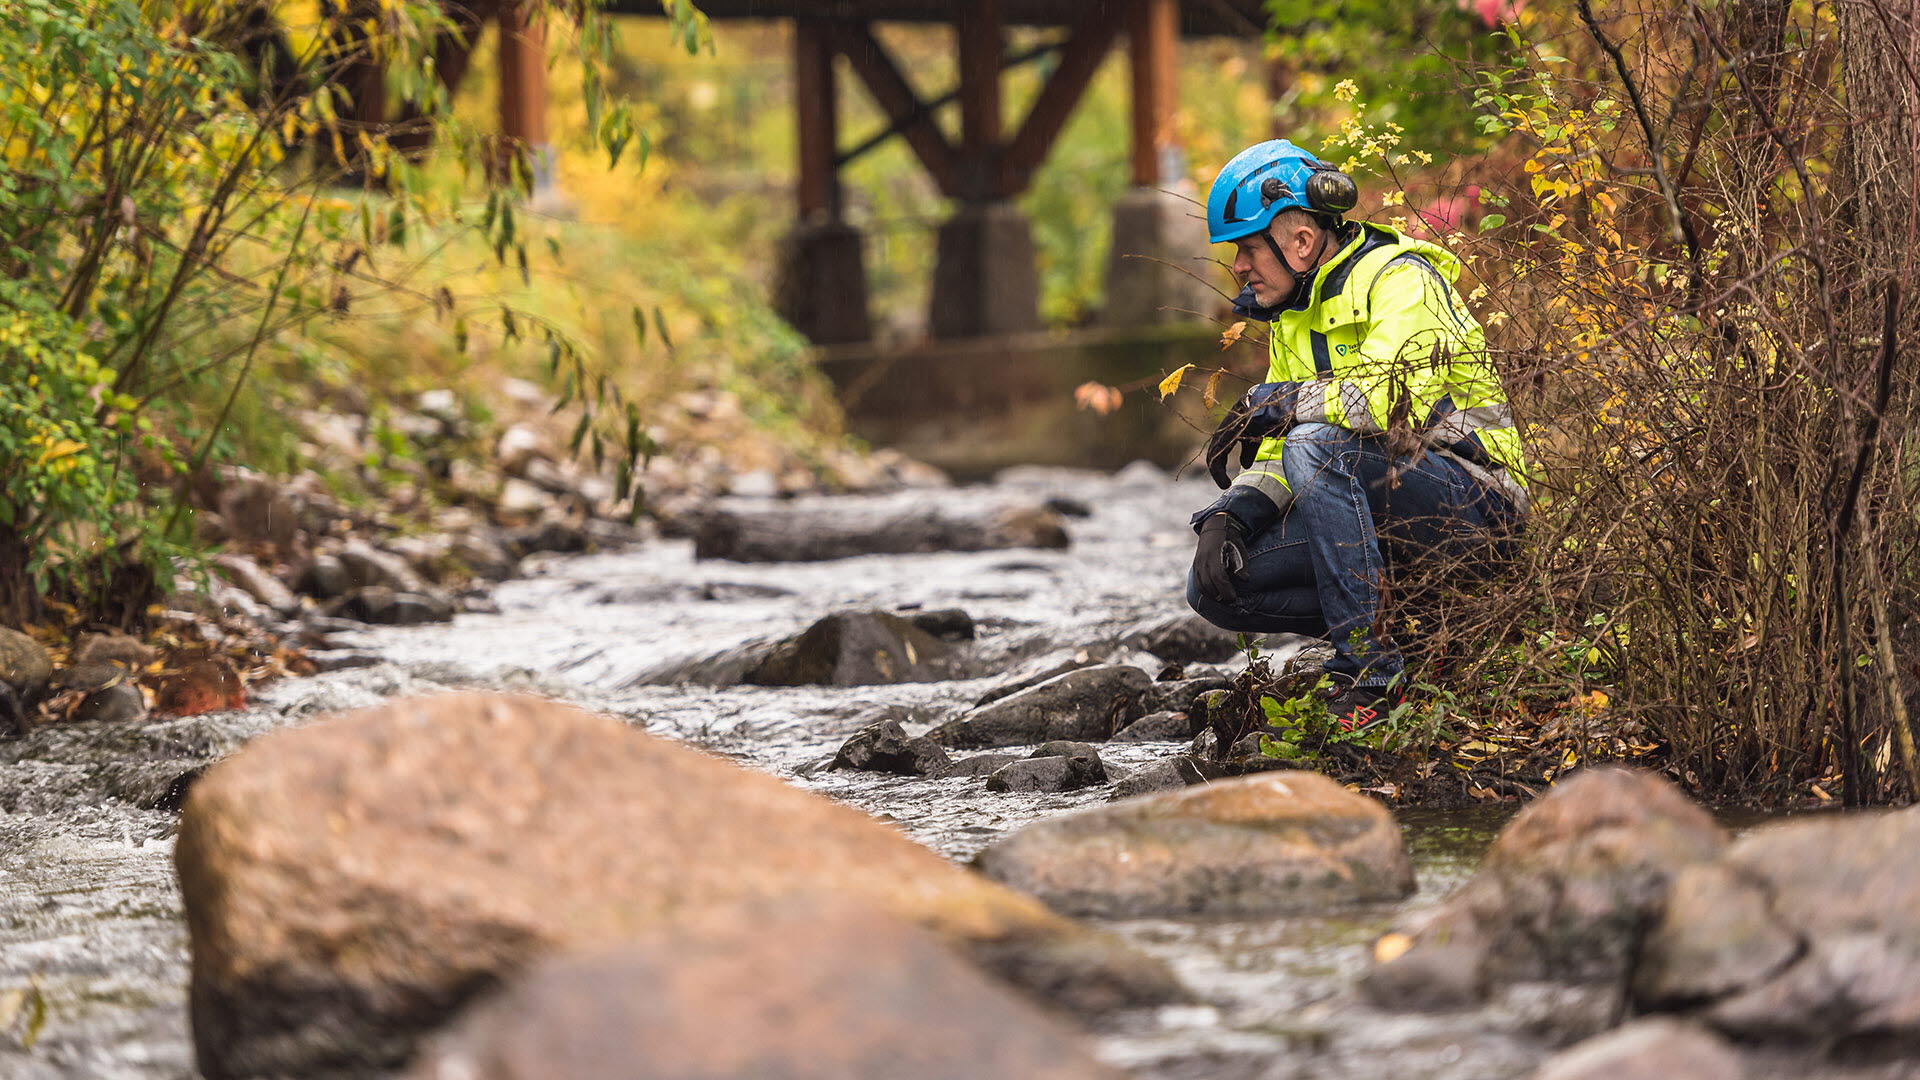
x,y
1212,395
1232,333
60,449
1172,382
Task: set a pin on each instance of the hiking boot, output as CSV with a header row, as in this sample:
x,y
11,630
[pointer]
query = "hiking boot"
x,y
1360,707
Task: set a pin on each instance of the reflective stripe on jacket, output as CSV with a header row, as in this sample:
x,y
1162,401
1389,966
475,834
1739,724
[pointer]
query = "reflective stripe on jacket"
x,y
1386,339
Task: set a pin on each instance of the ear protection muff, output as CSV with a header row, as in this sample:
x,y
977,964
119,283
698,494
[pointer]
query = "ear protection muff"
x,y
1331,191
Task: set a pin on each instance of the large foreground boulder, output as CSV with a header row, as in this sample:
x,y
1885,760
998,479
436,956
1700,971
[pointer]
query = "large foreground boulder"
x,y
1805,932
843,993
350,883
1279,843
889,527
1564,894
1087,705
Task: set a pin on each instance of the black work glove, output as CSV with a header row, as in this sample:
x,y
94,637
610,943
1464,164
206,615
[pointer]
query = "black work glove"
x,y
1263,412
1220,558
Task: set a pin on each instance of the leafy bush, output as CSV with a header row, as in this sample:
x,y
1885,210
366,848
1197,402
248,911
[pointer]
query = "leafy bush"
x,y
167,215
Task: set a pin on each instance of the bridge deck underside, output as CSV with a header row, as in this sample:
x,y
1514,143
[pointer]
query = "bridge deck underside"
x,y
1198,18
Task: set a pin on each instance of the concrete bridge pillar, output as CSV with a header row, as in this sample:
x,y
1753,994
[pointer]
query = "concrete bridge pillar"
x,y
984,278
820,280
1159,270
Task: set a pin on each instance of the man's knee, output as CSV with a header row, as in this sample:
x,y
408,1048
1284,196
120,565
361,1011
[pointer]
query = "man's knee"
x,y
1221,615
1310,449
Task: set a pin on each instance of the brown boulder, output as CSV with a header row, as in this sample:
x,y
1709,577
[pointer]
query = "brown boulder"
x,y
1564,894
25,664
1805,932
1282,842
1656,1048
350,883
843,993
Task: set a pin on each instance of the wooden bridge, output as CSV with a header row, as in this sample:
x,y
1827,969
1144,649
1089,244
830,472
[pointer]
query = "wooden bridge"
x,y
985,280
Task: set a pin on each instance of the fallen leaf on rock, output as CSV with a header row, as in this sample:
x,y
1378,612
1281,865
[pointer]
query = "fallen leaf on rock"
x,y
1391,947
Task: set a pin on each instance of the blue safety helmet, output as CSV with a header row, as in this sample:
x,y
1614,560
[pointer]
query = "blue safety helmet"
x,y
1269,177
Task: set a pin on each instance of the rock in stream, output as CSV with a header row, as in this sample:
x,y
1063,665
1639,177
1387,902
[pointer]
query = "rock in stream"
x,y
350,883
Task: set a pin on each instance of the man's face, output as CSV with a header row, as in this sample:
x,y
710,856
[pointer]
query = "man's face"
x,y
1254,264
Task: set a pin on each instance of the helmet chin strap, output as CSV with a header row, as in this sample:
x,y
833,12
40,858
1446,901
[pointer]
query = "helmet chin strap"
x,y
1302,279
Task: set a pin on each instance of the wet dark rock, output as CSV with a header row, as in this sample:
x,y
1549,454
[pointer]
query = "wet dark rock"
x,y
1060,765
856,648
1087,705
1182,639
25,664
367,565
350,883
725,591
1564,894
1064,748
1049,774
1205,745
484,553
117,703
325,660
1157,727
885,747
1279,843
842,993
253,579
476,602
947,624
324,577
977,765
322,625
611,535
1169,775
382,606
257,510
790,534
150,785
89,675
655,592
1655,1048
1803,932
1075,663
552,535
13,713
1068,507
1184,696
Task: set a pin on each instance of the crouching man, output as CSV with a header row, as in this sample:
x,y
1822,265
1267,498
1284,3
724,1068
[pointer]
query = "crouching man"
x,y
1380,434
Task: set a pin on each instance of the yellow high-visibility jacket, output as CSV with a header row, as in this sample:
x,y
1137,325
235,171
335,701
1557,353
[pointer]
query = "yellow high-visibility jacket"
x,y
1385,340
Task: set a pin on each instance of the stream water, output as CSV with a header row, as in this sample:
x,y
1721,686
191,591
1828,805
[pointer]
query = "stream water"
x,y
90,916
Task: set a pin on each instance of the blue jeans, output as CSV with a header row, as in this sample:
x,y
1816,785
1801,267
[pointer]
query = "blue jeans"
x,y
1317,570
